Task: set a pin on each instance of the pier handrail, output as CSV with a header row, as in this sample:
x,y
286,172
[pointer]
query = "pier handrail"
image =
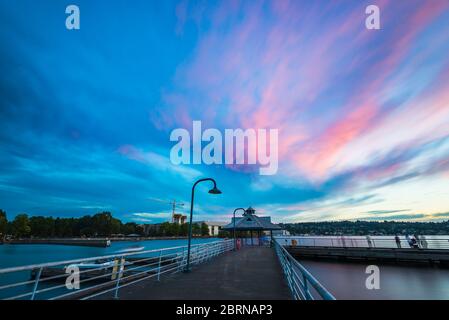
x,y
111,256
423,242
122,269
299,279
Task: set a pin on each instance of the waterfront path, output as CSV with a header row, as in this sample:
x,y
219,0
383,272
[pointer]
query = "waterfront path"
x,y
250,273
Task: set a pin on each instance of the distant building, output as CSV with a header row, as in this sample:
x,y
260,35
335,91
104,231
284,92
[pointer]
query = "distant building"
x,y
213,226
179,218
251,223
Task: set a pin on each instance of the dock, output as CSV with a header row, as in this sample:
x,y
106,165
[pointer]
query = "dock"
x,y
85,242
395,255
250,273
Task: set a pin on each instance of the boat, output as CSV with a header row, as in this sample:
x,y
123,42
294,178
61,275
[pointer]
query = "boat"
x,y
131,249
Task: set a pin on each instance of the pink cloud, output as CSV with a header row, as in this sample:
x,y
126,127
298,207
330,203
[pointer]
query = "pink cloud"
x,y
257,70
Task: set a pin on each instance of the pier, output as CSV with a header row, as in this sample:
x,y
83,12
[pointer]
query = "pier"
x,y
264,271
395,255
250,273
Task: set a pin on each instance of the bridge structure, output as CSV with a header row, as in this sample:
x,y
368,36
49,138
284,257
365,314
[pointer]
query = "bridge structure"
x,y
269,270
219,272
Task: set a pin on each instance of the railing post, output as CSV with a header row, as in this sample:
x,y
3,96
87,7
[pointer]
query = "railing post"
x,y
307,293
120,272
181,265
36,283
159,266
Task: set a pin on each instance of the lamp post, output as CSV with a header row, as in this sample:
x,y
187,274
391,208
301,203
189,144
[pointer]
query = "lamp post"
x,y
214,190
235,240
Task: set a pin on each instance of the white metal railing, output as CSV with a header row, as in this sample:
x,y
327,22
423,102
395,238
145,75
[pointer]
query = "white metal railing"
x,y
103,274
302,284
422,241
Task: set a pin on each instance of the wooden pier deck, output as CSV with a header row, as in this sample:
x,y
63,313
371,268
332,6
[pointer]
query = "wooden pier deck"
x,y
250,273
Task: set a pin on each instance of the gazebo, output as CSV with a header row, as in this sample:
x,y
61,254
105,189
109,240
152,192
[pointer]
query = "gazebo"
x,y
252,223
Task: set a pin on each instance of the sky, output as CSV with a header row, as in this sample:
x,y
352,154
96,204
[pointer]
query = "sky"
x,y
362,115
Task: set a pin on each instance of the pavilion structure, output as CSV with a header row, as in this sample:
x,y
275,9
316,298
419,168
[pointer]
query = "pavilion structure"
x,y
252,224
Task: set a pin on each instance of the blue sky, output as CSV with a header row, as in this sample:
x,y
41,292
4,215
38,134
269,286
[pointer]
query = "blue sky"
x,y
363,115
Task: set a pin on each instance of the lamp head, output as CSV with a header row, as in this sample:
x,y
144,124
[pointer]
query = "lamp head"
x,y
214,190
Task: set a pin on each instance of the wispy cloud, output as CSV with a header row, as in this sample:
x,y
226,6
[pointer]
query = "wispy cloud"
x,y
363,115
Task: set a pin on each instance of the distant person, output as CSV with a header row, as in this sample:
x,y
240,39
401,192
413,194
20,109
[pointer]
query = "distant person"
x,y
418,241
415,244
423,241
398,241
410,241
370,241
343,241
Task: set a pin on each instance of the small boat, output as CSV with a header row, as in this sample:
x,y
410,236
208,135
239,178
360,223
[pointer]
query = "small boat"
x,y
95,265
131,249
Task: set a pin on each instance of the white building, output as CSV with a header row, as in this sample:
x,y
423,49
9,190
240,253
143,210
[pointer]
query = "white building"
x,y
214,226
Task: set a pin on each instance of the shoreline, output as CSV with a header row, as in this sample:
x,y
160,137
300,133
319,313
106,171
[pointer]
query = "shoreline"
x,y
94,242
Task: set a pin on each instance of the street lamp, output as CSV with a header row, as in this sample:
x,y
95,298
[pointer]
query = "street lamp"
x,y
214,190
235,240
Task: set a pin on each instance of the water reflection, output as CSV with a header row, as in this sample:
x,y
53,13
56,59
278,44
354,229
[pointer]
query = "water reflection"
x,y
346,280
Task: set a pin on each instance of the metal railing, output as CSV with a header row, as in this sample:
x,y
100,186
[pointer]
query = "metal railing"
x,y
302,284
100,275
422,242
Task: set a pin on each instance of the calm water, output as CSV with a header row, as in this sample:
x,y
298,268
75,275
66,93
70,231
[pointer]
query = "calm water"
x,y
347,280
25,254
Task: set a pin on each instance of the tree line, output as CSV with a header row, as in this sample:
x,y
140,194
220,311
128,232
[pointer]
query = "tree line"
x,y
100,224
367,228
167,229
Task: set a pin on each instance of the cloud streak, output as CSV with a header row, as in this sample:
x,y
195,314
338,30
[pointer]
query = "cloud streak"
x,y
363,115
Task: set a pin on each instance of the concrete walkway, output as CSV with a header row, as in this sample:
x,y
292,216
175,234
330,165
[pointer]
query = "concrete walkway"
x,y
251,273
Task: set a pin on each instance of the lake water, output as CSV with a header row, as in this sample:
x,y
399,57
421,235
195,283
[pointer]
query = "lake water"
x,y
346,280
26,254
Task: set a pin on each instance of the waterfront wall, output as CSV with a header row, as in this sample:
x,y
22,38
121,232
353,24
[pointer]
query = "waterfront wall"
x,y
69,242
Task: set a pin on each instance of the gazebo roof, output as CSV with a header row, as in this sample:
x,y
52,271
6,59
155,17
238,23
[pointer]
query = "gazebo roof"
x,y
249,221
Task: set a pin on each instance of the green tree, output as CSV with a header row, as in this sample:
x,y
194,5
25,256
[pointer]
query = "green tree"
x,y
128,228
42,226
21,225
3,224
196,229
84,226
204,229
173,229
65,227
164,229
184,229
104,224
140,230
